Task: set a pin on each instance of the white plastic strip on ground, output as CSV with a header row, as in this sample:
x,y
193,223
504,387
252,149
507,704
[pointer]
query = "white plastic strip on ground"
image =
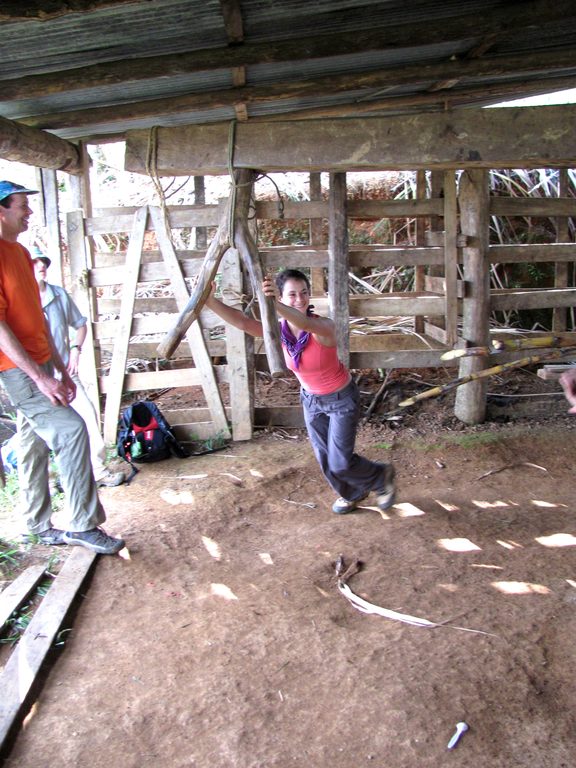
x,y
365,607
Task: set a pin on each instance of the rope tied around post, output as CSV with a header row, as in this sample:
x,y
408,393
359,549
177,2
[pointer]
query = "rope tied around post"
x,y
152,171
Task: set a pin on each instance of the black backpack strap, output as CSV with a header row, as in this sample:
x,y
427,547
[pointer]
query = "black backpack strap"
x,y
133,472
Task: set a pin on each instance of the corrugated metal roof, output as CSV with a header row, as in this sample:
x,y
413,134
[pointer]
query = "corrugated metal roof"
x,y
168,62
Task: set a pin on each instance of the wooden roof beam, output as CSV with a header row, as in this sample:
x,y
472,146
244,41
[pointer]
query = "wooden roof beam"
x,y
535,137
41,10
489,26
480,95
22,144
550,63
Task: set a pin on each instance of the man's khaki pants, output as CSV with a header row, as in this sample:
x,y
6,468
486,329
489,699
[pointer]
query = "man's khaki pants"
x,y
42,428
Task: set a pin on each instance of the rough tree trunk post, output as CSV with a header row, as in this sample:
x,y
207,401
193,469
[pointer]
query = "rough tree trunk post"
x,y
338,260
244,180
244,242
470,405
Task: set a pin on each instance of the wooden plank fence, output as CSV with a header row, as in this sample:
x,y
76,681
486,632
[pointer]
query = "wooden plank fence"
x,y
128,316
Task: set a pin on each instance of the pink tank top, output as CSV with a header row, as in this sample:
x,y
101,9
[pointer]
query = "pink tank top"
x,y
320,371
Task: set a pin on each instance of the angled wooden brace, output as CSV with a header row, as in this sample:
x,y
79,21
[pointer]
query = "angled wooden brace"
x,y
236,213
193,334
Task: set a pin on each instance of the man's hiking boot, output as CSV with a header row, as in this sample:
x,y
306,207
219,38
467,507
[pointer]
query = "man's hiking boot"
x,y
95,539
110,479
51,537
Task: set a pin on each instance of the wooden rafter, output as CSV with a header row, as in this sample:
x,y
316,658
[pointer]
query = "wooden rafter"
x,y
486,29
554,64
40,10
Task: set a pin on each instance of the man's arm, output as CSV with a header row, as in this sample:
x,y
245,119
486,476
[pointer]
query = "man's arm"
x,y
58,392
75,349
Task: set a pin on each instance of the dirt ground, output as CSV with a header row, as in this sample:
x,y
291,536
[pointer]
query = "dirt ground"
x,y
220,638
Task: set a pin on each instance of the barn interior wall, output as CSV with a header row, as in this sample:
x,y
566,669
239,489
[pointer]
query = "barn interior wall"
x,y
406,329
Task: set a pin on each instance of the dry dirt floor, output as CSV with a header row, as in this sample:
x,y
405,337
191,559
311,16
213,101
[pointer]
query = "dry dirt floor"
x,y
220,638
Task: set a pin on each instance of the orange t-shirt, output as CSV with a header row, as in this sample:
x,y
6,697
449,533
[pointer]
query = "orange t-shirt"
x,y
20,305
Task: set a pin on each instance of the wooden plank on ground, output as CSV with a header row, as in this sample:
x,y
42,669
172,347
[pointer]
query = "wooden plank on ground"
x,y
120,354
26,659
19,590
194,335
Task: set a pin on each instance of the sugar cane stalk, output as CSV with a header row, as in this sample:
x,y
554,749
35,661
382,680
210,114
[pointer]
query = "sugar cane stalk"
x,y
500,345
495,370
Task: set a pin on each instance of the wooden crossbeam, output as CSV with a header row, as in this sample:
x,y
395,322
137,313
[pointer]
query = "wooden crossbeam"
x,y
523,137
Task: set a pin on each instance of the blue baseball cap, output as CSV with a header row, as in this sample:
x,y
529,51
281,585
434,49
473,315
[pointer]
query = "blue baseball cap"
x,y
8,188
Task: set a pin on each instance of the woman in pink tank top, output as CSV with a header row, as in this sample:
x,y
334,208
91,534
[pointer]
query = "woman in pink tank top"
x,y
329,395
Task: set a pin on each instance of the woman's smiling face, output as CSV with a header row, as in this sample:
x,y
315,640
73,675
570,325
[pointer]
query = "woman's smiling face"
x,y
295,294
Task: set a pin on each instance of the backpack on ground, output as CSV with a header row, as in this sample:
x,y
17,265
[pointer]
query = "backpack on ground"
x,y
144,435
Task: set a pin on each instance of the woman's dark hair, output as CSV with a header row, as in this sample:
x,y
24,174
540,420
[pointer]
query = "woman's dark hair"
x,y
290,274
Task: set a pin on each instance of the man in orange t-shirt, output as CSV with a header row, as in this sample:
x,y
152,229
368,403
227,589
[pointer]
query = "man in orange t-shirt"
x,y
40,388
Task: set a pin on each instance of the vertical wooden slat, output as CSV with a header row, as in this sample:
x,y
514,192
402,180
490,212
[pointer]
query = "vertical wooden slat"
x,y
560,314
80,291
316,273
194,335
419,269
54,253
450,256
338,260
239,354
200,236
435,270
470,405
120,352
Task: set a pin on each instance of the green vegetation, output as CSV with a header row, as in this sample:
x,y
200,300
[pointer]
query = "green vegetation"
x,y
466,441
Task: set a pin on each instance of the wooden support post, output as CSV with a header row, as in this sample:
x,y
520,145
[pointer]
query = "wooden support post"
x,y
420,269
244,180
338,259
450,257
120,352
559,315
194,334
470,404
316,273
239,355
